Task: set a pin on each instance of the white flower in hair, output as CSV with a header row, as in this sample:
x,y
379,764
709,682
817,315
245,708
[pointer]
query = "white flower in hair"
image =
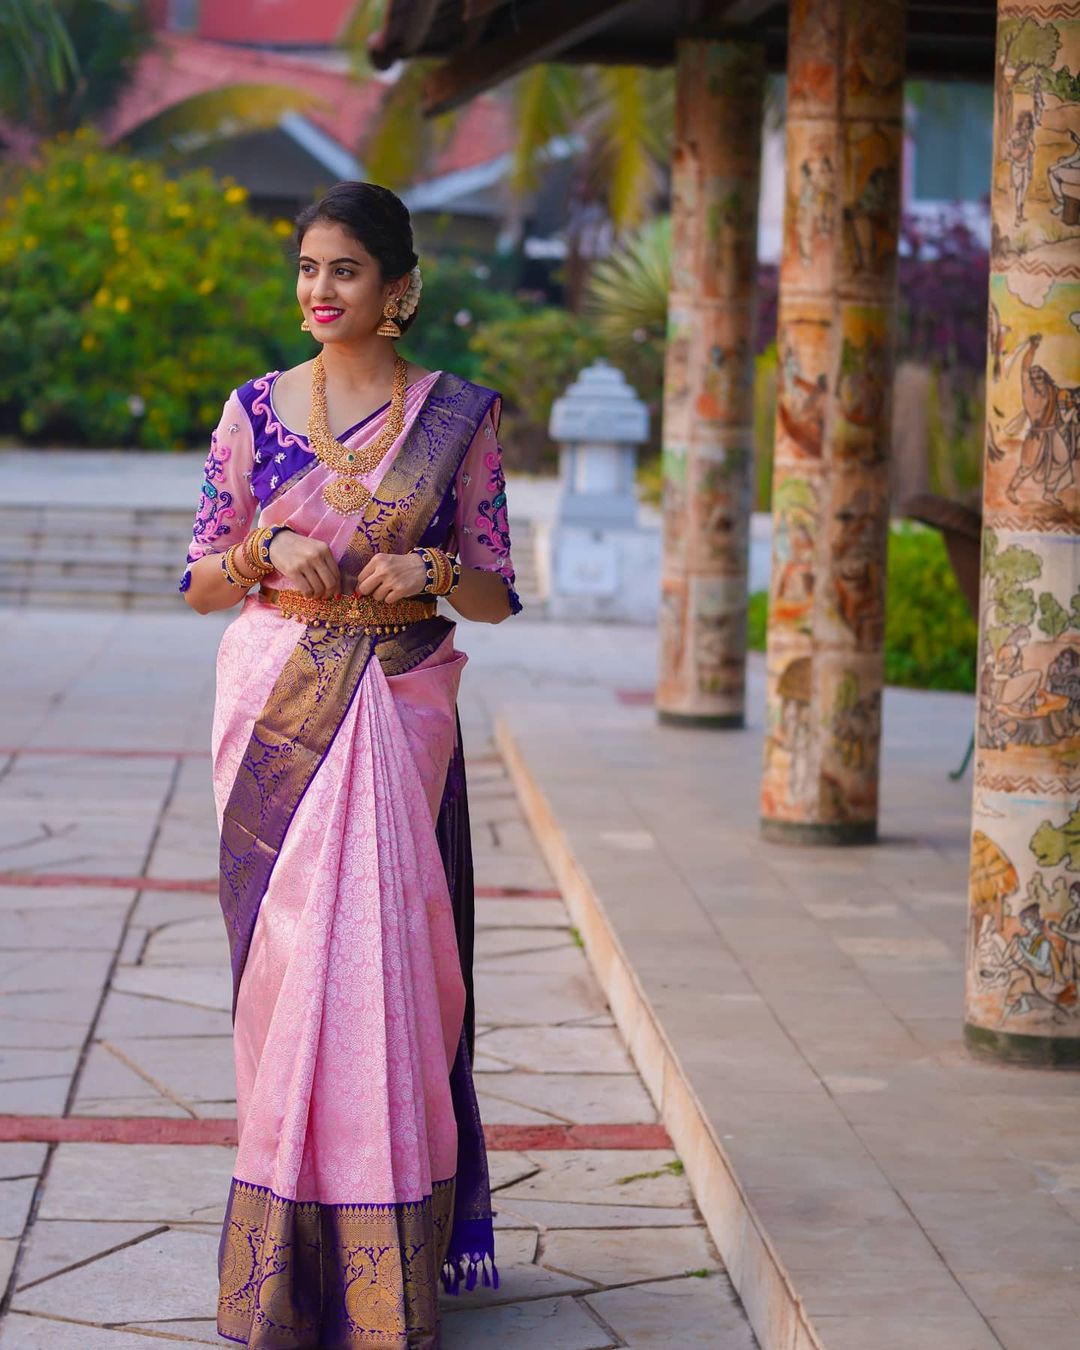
x,y
408,302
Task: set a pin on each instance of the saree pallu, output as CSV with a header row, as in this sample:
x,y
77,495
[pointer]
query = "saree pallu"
x,y
361,1176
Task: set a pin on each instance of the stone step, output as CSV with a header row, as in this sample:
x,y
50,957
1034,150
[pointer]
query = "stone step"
x,y
118,557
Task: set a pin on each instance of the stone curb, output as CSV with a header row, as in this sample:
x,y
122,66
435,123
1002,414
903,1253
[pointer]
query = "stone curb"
x,y
772,1303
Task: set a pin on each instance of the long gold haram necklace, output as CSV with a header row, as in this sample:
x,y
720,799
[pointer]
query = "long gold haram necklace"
x,y
345,494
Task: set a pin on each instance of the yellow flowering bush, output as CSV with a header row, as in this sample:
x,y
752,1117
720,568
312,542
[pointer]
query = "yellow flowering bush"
x,y
130,304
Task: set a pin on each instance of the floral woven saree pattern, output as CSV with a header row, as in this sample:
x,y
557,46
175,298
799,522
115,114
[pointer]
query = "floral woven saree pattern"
x,y
361,1174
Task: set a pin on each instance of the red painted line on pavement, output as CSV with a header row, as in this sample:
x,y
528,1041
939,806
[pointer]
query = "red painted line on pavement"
x,y
209,886
203,886
636,698
517,893
163,1130
103,752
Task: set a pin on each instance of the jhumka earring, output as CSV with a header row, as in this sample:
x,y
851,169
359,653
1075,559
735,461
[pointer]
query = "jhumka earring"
x,y
388,328
305,327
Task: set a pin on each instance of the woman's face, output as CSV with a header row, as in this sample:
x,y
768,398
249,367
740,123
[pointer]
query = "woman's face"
x,y
339,285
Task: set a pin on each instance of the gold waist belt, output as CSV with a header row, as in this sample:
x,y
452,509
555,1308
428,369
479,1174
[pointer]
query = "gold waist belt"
x,y
349,611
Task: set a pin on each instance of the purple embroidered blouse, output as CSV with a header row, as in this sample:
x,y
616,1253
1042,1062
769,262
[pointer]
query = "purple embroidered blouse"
x,y
254,457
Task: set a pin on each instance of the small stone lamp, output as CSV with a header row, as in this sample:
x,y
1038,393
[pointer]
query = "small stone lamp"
x,y
603,564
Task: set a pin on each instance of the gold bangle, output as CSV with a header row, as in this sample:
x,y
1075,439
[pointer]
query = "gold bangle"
x,y
253,548
229,567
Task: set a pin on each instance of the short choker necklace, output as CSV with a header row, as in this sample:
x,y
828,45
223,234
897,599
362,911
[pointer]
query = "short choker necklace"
x,y
345,494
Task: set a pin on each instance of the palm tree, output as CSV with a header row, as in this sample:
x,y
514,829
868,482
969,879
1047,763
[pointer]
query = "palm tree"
x,y
37,58
67,62
622,116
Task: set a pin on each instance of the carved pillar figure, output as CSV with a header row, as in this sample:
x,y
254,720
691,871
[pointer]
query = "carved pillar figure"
x,y
1024,936
708,383
830,475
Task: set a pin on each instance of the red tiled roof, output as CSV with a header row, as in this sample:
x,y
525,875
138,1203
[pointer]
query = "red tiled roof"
x,y
484,131
292,22
178,67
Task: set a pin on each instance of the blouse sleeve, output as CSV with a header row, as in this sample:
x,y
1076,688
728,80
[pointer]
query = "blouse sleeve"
x,y
227,506
481,526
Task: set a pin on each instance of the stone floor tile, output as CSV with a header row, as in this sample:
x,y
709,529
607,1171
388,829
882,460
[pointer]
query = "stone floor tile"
x,y
167,1276
133,1106
493,1111
531,1000
91,899
521,913
908,1332
541,1324
20,1160
45,1096
567,960
151,1182
54,1245
566,1049
9,1248
604,1176
15,1198
50,1018
933,1290
133,1016
1009,1294
698,1313
37,971
198,1331
19,1332
515,1213
1036,1333
200,986
492,942
105,1078
505,1167
492,869
629,1254
73,929
191,1068
158,908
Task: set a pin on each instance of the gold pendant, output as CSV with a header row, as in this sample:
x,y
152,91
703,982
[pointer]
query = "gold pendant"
x,y
346,496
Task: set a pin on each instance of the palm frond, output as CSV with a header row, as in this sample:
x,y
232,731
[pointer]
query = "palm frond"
x,y
628,290
38,60
400,138
627,119
367,19
547,104
217,115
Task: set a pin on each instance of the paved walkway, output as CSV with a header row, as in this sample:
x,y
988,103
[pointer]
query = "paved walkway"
x,y
115,1066
797,1015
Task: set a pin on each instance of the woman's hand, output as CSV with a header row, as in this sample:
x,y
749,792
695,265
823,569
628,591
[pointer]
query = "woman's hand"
x,y
308,563
393,576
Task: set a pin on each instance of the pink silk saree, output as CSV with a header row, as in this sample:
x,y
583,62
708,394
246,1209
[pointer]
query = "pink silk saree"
x,y
346,888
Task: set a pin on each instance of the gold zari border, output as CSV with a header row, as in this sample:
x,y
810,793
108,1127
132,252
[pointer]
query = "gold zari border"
x,y
301,1274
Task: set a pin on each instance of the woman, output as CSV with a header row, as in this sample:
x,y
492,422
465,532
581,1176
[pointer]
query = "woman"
x,y
346,877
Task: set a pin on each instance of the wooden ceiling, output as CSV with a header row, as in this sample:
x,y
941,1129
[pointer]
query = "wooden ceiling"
x,y
483,42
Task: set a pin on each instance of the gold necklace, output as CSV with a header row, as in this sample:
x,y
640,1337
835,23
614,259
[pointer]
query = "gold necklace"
x,y
345,494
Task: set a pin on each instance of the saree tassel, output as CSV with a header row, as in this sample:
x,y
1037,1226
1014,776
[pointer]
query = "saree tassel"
x,y
474,1266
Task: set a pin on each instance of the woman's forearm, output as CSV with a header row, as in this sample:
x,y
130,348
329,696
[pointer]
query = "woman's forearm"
x,y
210,589
481,596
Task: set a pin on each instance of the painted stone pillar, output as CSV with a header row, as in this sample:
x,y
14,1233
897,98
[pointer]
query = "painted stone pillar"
x,y
830,474
708,383
1024,937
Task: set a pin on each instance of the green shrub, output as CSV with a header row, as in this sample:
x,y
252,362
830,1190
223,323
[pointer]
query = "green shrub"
x,y
130,304
459,300
930,635
531,360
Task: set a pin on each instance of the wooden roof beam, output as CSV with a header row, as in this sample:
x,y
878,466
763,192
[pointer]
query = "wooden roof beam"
x,y
556,25
741,12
